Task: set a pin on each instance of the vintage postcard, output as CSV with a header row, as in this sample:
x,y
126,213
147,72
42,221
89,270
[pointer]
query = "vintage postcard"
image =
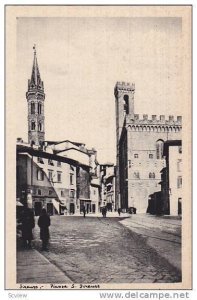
x,y
98,147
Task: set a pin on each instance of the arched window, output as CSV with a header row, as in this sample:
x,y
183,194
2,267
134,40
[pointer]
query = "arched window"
x,y
39,108
159,149
126,104
33,125
32,108
40,126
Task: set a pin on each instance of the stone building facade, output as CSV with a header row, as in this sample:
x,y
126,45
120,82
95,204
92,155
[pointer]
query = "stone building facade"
x,y
140,142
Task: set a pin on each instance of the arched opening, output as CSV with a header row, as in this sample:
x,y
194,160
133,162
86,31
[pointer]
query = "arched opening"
x,y
126,104
40,126
33,125
159,149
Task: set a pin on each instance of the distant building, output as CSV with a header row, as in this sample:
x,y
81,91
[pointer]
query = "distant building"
x,y
107,172
171,184
140,143
47,180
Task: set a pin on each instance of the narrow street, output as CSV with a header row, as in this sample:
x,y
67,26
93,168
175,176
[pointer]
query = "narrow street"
x,y
99,250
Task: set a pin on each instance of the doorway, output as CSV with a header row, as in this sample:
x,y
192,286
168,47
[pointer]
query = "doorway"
x,y
38,208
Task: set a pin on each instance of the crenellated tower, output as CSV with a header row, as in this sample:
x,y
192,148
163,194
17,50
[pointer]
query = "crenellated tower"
x,y
35,98
140,143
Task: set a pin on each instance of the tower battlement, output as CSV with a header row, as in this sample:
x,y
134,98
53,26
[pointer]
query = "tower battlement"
x,y
122,86
155,120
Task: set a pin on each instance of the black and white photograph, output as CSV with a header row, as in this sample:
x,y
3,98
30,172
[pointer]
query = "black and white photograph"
x,y
98,139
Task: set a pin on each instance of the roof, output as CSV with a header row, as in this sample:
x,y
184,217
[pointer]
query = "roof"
x,y
43,154
170,143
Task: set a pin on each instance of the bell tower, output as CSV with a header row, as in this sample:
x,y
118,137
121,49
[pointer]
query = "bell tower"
x,y
124,94
35,98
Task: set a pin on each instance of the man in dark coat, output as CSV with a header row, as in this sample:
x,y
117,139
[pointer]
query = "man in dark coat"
x,y
44,222
84,211
28,223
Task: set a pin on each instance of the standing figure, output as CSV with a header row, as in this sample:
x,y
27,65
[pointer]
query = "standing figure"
x,y
84,211
119,211
28,223
104,212
44,222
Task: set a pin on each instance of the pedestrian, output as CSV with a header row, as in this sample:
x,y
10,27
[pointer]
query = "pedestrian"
x,y
28,223
104,212
119,211
44,222
84,211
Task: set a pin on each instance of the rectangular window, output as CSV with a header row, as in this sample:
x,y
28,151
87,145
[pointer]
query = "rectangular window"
x,y
71,178
62,193
50,175
135,155
58,163
50,192
179,162
136,175
59,176
40,174
72,168
179,182
180,149
72,193
150,156
39,192
50,162
40,160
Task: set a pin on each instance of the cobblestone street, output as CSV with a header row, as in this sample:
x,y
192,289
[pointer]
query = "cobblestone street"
x,y
98,250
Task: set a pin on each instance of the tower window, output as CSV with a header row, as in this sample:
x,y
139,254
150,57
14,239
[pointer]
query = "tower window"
x,y
32,108
151,156
39,108
126,104
33,125
135,155
40,126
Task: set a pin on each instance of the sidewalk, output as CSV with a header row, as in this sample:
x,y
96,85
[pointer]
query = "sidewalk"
x,y
162,233
31,264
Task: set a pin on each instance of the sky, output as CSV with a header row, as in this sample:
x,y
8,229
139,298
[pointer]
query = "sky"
x,y
80,61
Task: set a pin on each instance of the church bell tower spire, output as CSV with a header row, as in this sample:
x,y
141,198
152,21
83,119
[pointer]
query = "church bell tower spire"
x,y
35,98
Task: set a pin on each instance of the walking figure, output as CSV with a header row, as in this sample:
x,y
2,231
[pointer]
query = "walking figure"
x,y
119,211
28,223
104,212
84,211
44,222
